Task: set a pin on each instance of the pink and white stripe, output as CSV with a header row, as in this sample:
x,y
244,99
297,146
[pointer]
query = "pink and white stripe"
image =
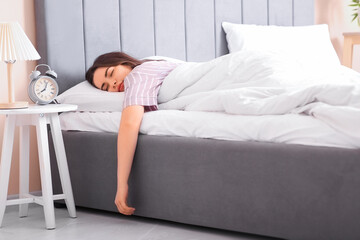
x,y
143,83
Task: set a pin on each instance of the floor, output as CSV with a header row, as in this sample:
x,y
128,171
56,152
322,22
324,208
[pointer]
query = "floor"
x,y
100,225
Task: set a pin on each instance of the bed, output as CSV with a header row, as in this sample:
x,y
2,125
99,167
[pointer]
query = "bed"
x,y
290,191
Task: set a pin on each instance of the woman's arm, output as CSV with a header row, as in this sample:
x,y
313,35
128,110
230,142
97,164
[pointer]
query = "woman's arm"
x,y
127,138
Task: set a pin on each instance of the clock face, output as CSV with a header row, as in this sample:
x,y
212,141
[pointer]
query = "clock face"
x,y
45,89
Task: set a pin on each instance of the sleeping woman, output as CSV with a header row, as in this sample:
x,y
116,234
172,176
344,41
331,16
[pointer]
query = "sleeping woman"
x,y
141,81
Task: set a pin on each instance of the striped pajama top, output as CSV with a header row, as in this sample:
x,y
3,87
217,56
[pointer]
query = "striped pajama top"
x,y
142,84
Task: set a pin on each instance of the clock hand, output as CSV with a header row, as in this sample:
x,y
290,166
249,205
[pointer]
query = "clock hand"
x,y
45,87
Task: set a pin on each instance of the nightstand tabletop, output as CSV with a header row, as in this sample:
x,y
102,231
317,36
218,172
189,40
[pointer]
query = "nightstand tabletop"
x,y
34,109
351,33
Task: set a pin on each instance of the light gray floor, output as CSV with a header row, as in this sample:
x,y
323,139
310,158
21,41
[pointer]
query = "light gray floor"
x,y
99,225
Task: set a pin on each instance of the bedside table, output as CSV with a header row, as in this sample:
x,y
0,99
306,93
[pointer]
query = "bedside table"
x,y
350,39
38,116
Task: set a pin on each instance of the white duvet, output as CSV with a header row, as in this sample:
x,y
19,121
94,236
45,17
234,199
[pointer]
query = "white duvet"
x,y
256,83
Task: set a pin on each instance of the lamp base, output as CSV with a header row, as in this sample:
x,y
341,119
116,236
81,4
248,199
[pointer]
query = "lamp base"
x,y
14,105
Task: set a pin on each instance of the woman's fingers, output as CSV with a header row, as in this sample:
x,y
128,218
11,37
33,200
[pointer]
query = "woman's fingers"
x,y
124,209
127,210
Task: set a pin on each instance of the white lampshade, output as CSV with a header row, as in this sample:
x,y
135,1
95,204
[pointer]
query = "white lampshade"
x,y
14,44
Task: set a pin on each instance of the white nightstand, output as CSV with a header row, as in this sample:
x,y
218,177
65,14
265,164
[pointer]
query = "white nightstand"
x,y
350,39
38,116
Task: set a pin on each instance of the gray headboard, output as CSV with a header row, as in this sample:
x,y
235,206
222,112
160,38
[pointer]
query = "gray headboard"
x,y
72,33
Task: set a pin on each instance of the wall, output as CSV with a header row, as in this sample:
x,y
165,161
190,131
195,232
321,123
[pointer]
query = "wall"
x,y
21,11
335,13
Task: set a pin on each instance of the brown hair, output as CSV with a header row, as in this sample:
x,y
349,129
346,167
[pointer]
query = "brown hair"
x,y
111,59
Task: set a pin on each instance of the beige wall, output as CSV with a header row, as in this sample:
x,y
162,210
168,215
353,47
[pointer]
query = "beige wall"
x,y
21,11
335,13
331,13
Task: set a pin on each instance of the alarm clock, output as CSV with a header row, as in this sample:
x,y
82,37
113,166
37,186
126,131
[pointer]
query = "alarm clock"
x,y
43,89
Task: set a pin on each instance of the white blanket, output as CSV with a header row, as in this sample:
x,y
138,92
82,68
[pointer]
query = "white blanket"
x,y
255,83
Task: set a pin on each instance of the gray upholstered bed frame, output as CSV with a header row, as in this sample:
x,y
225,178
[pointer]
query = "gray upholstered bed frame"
x,y
279,190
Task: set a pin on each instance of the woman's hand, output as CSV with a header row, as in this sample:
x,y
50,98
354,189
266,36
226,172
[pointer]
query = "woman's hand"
x,y
121,200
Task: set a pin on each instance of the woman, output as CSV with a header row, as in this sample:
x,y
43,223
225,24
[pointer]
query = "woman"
x,y
141,81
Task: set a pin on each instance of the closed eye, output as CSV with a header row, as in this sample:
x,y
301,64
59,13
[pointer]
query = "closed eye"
x,y
106,72
104,87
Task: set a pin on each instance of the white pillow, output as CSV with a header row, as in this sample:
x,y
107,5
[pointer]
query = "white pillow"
x,y
308,44
89,98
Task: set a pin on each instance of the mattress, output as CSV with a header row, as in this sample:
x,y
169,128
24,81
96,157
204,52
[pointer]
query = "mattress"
x,y
288,128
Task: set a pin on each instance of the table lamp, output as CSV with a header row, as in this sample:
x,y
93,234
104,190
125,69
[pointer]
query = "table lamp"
x,y
14,45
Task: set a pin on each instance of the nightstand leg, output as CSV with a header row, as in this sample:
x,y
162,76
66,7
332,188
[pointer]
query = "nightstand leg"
x,y
62,163
348,52
5,163
45,172
24,168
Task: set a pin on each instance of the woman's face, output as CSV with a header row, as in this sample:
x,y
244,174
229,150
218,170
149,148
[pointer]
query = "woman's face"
x,y
111,79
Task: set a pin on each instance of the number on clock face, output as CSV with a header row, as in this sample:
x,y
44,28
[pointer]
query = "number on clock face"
x,y
45,89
